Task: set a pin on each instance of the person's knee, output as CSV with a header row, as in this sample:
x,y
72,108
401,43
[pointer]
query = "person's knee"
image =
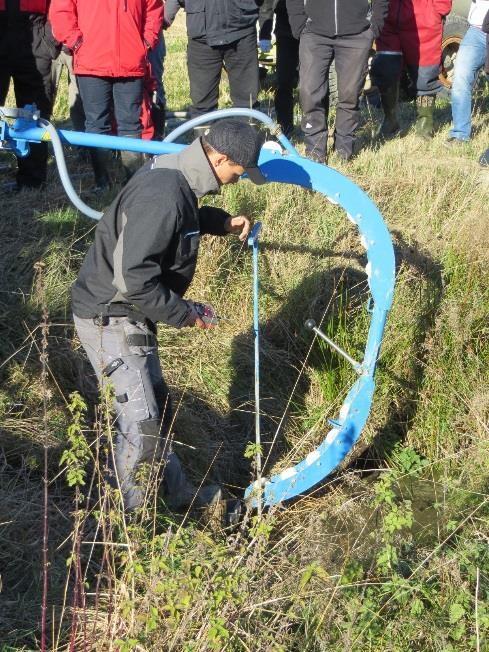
x,y
150,449
385,70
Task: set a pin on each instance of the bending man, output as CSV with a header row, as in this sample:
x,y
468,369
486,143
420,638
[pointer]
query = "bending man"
x,y
135,274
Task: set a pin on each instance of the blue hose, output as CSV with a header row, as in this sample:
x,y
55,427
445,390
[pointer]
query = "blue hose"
x,y
232,113
63,173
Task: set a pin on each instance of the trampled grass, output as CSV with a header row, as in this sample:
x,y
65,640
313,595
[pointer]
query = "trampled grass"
x,y
391,554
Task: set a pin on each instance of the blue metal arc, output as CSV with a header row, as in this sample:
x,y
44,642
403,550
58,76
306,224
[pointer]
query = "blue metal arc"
x,y
287,167
380,270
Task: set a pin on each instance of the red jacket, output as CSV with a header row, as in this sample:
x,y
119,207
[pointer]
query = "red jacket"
x,y
109,38
29,6
415,28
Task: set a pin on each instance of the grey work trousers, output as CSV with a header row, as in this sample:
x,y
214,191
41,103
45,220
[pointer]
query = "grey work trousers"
x,y
142,403
316,54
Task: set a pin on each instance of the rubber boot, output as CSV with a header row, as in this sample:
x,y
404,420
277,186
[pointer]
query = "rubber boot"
x,y
389,100
158,116
100,159
425,105
131,161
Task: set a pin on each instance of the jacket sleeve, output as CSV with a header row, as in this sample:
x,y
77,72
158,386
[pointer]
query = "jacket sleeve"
x,y
380,9
148,230
64,22
154,22
265,20
212,220
171,10
442,7
297,16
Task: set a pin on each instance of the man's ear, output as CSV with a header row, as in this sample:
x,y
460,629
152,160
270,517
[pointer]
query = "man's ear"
x,y
218,159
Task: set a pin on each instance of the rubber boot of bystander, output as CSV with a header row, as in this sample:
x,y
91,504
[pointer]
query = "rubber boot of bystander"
x,y
158,116
389,98
131,161
101,159
425,105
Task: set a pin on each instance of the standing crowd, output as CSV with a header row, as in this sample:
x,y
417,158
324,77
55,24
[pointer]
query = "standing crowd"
x,y
145,247
114,53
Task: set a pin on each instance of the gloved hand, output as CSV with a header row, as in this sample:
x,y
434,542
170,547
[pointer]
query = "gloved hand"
x,y
201,315
265,45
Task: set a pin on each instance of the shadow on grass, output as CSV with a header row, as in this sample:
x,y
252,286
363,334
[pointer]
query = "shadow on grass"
x,y
285,343
406,387
285,380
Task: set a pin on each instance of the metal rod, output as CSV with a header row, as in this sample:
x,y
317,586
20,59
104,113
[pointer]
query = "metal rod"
x,y
311,325
253,243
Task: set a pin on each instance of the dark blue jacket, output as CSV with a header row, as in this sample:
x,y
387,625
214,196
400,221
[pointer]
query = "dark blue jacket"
x,y
216,22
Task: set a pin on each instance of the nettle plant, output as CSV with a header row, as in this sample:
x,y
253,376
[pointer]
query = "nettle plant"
x,y
396,512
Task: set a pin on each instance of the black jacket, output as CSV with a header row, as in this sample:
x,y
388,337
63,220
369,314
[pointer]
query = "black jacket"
x,y
146,244
282,25
337,17
216,22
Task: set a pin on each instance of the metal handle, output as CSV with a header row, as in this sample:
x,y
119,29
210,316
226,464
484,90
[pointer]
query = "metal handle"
x,y
310,324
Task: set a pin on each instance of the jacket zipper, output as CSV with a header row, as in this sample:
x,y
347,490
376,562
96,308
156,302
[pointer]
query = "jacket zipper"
x,y
125,5
336,17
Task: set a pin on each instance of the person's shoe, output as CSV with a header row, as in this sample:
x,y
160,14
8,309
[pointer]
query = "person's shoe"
x,y
188,495
452,142
425,105
179,492
484,159
389,99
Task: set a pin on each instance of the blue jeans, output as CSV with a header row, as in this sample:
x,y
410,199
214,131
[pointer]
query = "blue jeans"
x,y
469,61
107,97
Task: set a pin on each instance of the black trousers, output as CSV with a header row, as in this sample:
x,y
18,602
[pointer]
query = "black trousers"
x,y
25,58
205,64
287,78
316,54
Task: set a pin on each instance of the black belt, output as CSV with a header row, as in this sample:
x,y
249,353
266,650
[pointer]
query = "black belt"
x,y
124,310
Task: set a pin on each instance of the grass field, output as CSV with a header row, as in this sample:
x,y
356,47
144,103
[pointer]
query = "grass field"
x,y
391,554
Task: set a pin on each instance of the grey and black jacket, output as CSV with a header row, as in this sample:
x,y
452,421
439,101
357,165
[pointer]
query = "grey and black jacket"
x,y
146,244
337,17
216,22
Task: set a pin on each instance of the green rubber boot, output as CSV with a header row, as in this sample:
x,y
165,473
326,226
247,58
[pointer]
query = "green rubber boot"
x,y
390,105
425,105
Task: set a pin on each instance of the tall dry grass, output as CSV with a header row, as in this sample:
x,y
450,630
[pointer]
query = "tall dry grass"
x,y
306,577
